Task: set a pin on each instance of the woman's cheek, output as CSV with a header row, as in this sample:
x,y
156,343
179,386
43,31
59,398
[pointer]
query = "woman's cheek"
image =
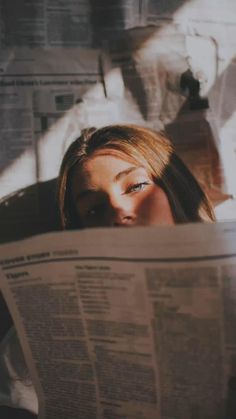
x,y
155,209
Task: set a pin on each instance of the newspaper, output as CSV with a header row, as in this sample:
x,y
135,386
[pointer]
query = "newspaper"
x,y
37,88
42,23
127,324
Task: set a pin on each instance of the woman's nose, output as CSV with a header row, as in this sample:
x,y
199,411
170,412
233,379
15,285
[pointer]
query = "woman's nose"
x,y
121,212
120,220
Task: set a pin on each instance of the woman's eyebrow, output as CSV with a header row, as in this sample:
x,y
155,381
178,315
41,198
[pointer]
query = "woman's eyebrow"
x,y
89,191
125,172
84,193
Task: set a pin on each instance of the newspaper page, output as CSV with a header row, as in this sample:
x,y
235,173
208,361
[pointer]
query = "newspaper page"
x,y
42,23
137,324
38,87
53,23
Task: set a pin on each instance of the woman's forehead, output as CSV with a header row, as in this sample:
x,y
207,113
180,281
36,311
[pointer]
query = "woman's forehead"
x,y
105,164
104,169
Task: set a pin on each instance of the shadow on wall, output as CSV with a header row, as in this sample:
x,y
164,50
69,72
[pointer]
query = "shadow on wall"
x,y
110,18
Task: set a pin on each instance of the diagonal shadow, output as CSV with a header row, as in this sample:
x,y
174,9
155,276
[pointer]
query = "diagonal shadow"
x,y
111,18
110,21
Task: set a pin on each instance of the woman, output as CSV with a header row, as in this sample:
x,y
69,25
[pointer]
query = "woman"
x,y
126,175
120,175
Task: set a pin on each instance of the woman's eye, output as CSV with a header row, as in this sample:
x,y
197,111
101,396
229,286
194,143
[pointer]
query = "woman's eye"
x,y
137,187
97,209
91,212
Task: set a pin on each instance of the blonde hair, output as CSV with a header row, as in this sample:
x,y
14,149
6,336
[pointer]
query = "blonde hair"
x,y
149,149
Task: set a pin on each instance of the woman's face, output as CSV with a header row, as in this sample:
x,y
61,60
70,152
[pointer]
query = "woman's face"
x,y
110,191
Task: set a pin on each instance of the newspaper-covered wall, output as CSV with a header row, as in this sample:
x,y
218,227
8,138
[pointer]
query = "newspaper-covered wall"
x,y
68,65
